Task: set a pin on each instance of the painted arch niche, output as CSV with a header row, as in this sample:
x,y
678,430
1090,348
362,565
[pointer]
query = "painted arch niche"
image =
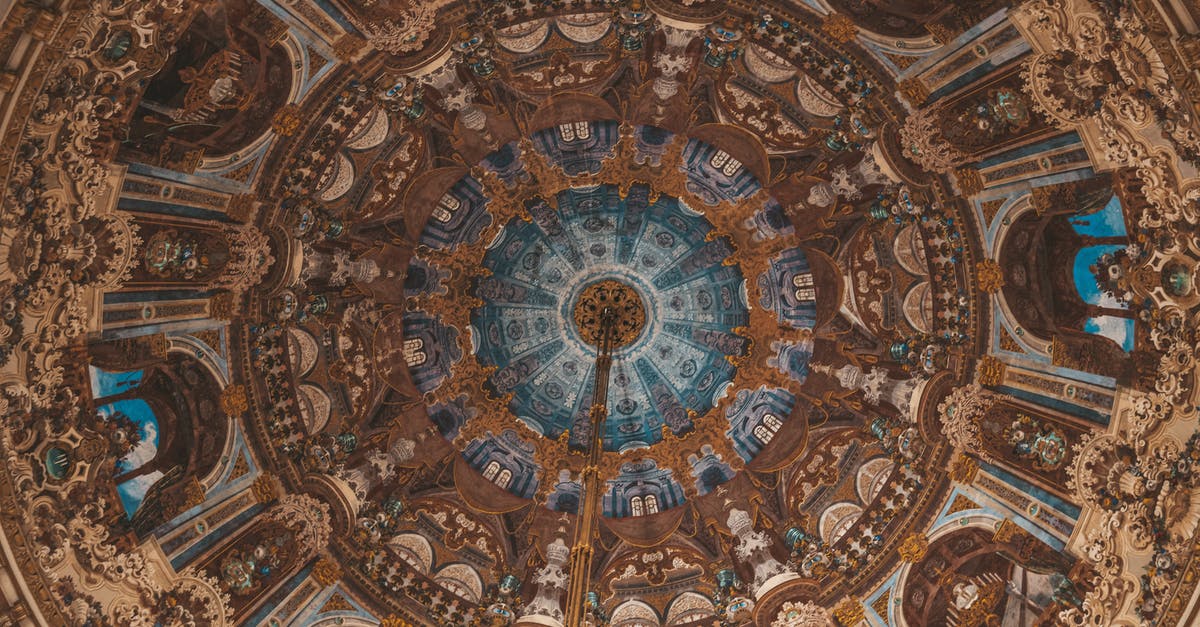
x,y
977,576
915,18
218,92
1056,266
166,432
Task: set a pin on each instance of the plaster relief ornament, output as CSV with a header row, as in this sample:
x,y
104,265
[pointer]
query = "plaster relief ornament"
x,y
551,580
754,549
398,26
877,386
807,614
961,413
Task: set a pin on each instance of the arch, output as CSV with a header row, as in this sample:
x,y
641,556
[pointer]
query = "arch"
x,y
918,307
217,92
837,519
462,580
504,478
415,550
634,614
170,422
689,607
303,351
199,350
1051,303
768,425
872,476
909,247
569,108
315,407
370,131
337,179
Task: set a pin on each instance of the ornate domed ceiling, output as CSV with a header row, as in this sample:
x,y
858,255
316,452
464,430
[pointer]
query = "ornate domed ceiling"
x,y
599,312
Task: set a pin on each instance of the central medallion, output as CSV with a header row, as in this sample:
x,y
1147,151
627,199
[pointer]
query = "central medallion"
x,y
659,266
626,305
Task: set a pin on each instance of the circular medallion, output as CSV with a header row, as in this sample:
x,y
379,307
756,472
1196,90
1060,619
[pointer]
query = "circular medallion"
x,y
609,299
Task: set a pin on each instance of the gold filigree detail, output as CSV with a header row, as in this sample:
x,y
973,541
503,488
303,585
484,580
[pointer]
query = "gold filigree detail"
x,y
989,209
849,612
840,28
914,90
348,46
991,370
990,276
222,306
265,488
622,169
970,182
1008,343
242,208
337,603
622,300
233,401
880,606
287,120
914,548
961,504
326,572
964,469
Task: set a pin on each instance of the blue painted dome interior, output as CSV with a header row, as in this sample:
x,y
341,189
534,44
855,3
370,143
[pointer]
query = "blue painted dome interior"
x,y
673,371
678,378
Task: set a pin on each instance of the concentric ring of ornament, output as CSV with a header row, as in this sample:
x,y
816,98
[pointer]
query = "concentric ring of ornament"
x,y
540,271
600,298
489,334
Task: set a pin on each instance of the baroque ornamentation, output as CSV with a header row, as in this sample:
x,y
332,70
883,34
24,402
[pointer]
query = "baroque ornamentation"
x,y
960,414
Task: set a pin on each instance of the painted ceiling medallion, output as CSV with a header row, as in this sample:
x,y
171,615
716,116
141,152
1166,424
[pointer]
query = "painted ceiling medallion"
x,y
627,310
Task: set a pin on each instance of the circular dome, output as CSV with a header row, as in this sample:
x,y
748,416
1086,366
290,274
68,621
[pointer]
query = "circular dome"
x,y
670,363
541,237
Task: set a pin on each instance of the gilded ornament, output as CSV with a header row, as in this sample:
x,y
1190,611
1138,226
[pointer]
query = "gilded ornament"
x,y
970,182
614,295
287,120
991,371
914,547
1051,199
348,47
222,306
326,572
840,28
849,612
265,488
964,469
914,90
990,276
337,603
233,401
193,493
941,33
242,208
961,504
